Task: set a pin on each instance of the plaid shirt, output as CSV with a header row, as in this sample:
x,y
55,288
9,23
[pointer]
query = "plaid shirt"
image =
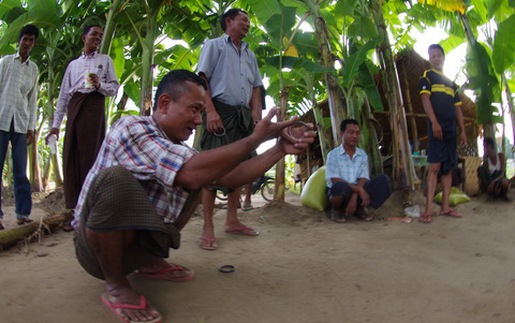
x,y
18,91
139,145
340,165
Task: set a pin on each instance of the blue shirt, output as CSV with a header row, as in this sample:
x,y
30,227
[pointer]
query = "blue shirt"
x,y
232,75
340,165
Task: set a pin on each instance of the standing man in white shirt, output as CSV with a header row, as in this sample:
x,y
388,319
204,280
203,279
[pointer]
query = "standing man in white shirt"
x,y
18,93
86,82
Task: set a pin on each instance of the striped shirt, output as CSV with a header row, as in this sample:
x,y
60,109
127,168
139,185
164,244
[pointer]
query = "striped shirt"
x,y
73,81
340,165
444,97
18,93
140,146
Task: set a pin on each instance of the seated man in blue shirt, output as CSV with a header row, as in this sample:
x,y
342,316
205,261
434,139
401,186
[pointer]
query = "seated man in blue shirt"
x,y
347,178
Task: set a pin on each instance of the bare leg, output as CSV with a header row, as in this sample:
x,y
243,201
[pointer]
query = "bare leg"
x,y
247,204
446,209
336,207
432,175
232,224
446,182
208,239
109,249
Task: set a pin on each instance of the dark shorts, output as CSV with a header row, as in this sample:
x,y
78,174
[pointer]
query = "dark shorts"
x,y
443,151
117,202
378,188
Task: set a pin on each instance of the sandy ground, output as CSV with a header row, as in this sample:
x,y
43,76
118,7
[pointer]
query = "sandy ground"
x,y
302,268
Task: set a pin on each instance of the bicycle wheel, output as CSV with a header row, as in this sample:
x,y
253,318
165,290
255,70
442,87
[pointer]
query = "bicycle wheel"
x,y
267,191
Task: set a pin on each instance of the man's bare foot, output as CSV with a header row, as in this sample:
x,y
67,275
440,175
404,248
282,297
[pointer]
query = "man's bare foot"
x,y
426,217
129,306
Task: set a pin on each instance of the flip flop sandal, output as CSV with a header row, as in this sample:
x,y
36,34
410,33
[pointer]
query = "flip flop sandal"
x,y
425,219
143,305
452,214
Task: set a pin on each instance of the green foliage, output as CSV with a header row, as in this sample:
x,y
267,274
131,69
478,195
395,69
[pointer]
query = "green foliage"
x,y
483,80
503,54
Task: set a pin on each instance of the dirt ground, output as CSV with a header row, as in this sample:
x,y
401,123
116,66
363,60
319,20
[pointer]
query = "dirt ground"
x,y
301,268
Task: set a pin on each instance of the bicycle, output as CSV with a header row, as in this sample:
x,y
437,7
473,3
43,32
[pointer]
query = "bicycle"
x,y
264,184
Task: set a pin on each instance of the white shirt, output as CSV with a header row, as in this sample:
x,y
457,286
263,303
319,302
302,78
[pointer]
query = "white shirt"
x,y
73,81
18,93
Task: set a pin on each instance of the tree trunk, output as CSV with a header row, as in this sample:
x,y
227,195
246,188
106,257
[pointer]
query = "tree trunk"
x,y
335,96
403,170
280,187
12,236
375,159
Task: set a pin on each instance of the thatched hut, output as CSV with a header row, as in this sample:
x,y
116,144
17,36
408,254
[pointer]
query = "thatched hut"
x,y
410,66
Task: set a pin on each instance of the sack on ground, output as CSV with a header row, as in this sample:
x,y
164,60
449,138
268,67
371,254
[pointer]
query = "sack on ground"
x,y
314,193
456,197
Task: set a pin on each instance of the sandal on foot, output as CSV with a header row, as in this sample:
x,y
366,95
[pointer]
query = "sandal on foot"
x,y
243,231
425,218
452,213
22,221
247,207
338,217
363,215
164,274
207,244
117,308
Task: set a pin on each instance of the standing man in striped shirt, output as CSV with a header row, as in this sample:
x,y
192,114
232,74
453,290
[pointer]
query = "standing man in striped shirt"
x,y
18,93
442,105
86,82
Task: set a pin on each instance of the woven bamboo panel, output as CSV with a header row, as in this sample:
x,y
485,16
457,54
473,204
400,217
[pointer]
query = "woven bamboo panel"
x,y
471,184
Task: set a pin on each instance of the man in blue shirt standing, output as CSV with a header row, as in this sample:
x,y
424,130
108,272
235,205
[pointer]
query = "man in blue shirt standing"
x,y
233,107
348,181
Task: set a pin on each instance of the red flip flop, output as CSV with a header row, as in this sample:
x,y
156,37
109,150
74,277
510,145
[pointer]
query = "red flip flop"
x,y
452,213
164,274
143,305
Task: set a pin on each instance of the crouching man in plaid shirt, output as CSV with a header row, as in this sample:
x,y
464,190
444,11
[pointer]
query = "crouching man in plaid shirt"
x,y
145,184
